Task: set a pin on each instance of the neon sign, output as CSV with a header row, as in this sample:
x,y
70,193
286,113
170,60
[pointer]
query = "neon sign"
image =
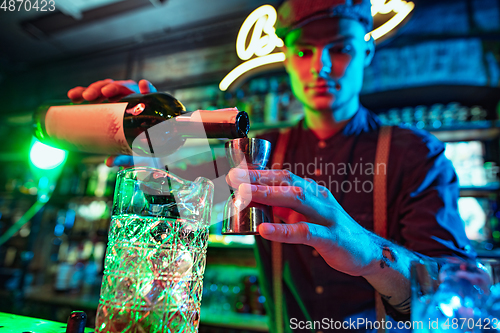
x,y
263,39
401,9
262,43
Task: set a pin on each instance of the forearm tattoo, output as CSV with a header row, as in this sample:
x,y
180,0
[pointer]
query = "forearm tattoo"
x,y
389,254
404,306
388,257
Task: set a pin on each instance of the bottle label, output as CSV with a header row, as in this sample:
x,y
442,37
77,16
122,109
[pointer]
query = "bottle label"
x,y
96,128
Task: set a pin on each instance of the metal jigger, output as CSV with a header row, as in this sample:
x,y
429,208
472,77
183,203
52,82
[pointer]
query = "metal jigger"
x,y
251,154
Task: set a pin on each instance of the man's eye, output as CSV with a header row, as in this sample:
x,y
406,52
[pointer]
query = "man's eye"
x,y
304,53
341,49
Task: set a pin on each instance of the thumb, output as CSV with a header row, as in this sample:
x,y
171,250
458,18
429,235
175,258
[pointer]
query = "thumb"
x,y
146,87
298,233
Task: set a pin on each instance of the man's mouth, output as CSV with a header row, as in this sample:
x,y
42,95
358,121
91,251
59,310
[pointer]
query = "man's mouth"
x,y
323,85
323,88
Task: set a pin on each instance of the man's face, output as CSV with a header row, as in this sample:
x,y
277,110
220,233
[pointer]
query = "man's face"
x,y
325,61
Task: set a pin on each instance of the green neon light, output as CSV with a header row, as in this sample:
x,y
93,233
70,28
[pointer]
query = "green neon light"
x,y
46,157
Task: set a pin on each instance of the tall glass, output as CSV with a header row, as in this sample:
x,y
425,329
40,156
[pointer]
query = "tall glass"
x,y
455,295
155,259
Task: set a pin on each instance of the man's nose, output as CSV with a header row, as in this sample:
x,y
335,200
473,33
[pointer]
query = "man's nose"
x,y
322,64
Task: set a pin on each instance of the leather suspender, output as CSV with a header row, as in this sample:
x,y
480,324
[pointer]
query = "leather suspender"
x,y
380,200
380,182
379,215
277,163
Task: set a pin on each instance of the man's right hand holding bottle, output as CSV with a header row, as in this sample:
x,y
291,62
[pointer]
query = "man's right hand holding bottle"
x,y
109,89
113,91
155,124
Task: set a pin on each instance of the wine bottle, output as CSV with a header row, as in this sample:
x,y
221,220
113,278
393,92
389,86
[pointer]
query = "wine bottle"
x,y
152,124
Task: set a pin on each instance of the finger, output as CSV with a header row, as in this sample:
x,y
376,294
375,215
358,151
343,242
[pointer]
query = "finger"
x,y
277,178
146,87
299,233
115,91
282,196
316,208
75,94
131,84
110,161
93,92
238,176
121,160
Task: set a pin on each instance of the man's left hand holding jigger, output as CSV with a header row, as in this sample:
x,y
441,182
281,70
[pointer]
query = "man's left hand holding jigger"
x,y
313,217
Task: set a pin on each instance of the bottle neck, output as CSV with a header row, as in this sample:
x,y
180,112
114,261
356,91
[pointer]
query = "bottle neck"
x,y
224,123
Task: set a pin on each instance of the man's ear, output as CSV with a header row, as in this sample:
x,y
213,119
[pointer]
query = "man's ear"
x,y
370,51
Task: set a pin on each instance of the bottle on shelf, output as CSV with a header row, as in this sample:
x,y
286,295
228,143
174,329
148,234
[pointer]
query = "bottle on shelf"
x,y
448,113
126,127
75,258
394,117
435,114
478,113
90,272
420,116
407,116
92,180
253,295
64,270
271,101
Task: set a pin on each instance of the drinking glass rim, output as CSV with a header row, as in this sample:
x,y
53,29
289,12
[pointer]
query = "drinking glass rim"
x,y
141,168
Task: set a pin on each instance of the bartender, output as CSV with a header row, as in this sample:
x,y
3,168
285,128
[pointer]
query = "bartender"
x,y
332,261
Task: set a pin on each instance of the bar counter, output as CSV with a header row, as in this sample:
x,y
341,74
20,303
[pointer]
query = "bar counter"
x,y
88,303
21,324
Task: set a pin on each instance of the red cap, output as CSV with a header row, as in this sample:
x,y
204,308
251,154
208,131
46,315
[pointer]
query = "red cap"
x,y
293,14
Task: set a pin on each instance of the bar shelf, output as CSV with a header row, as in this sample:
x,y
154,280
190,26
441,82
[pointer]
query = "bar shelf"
x,y
479,191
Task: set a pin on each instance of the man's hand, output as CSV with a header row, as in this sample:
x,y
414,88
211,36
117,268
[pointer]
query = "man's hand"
x,y
314,217
114,91
109,89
